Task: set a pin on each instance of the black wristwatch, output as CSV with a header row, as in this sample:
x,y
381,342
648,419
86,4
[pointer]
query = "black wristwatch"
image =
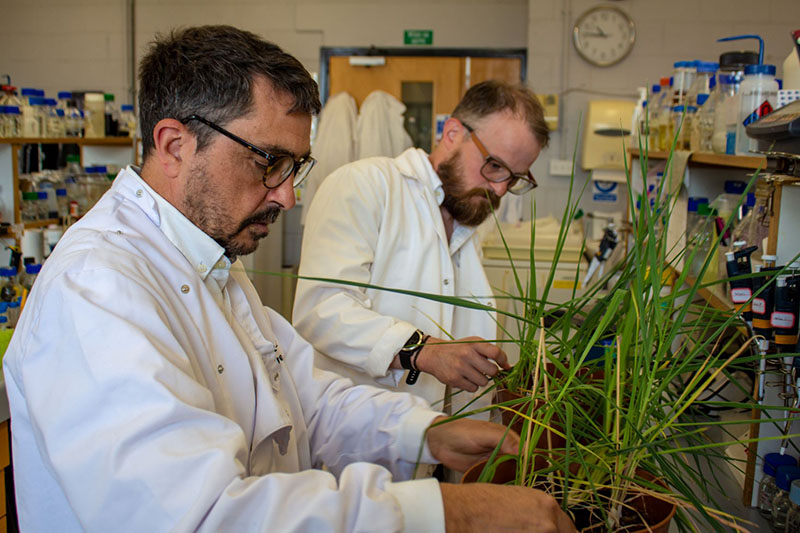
x,y
411,348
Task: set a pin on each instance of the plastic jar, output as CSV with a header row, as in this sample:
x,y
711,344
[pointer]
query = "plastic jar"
x,y
781,503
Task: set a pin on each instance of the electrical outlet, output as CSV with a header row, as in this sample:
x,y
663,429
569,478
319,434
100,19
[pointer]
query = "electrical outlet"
x,y
560,167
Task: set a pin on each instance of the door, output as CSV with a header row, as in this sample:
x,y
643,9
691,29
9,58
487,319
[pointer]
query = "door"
x,y
429,86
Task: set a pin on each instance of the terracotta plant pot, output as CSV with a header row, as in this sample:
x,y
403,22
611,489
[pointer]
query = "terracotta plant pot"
x,y
657,510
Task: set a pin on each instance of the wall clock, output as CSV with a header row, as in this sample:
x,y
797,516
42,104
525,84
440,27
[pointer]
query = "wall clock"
x,y
604,35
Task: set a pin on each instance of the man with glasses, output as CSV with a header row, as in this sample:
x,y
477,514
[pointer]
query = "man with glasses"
x,y
410,223
149,388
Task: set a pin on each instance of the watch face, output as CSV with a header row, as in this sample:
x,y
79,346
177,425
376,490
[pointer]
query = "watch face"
x,y
604,35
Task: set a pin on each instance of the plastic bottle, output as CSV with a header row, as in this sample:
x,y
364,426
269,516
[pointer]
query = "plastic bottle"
x,y
14,309
127,121
10,290
758,95
111,116
768,488
726,109
3,322
52,123
781,504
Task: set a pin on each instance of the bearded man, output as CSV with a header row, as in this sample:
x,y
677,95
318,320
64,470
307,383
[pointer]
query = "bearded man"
x,y
410,223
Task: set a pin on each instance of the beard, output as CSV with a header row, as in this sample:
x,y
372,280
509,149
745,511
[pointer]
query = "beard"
x,y
204,207
468,207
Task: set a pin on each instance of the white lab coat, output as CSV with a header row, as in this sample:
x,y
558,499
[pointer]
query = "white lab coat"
x,y
378,221
380,130
135,406
335,144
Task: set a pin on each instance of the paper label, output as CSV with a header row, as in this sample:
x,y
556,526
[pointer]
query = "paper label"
x,y
740,295
782,319
759,306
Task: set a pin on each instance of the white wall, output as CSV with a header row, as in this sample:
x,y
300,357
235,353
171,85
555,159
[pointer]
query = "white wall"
x,y
667,31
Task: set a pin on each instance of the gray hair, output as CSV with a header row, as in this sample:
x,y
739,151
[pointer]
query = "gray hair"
x,y
209,71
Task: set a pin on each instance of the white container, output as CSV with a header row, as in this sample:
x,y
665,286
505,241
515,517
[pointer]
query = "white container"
x,y
725,112
94,108
51,235
791,69
758,97
32,245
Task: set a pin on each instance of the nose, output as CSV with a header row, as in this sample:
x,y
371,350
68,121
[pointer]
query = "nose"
x,y
499,188
283,195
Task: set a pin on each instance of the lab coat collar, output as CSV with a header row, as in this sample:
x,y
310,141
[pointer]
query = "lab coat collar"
x,y
416,164
203,253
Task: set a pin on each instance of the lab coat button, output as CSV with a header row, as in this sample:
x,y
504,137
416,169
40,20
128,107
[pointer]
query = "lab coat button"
x,y
139,193
185,289
201,268
446,281
276,376
220,369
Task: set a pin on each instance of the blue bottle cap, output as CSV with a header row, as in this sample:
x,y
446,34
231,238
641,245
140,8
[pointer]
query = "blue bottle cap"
x,y
12,110
3,307
41,195
785,475
701,99
656,88
3,319
64,95
706,67
32,268
8,271
16,303
127,107
735,187
35,100
60,112
61,192
29,91
751,200
769,70
773,460
678,109
51,101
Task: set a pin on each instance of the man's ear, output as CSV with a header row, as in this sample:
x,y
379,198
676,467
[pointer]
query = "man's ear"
x,y
172,142
453,132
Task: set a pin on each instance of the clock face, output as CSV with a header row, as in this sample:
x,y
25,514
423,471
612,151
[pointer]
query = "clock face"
x,y
604,35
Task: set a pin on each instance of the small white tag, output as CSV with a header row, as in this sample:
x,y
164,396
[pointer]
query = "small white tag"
x,y
781,319
759,306
740,295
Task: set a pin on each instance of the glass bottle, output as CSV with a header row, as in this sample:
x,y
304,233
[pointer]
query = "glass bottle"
x,y
14,309
781,503
29,210
10,289
31,271
13,126
768,488
111,116
793,516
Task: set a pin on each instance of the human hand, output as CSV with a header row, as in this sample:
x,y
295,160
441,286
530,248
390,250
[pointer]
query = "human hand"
x,y
481,507
460,443
464,363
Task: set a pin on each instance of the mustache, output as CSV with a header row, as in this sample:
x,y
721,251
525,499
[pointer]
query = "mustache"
x,y
494,199
268,216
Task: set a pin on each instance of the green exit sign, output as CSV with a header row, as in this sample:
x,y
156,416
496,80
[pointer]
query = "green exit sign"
x,y
418,37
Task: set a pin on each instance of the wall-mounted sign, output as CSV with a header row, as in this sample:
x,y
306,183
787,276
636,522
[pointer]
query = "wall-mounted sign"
x,y
418,37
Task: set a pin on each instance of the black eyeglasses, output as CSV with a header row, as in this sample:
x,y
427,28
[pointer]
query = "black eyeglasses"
x,y
277,169
497,172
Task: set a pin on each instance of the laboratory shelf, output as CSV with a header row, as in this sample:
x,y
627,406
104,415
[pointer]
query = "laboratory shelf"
x,y
711,159
42,223
80,141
